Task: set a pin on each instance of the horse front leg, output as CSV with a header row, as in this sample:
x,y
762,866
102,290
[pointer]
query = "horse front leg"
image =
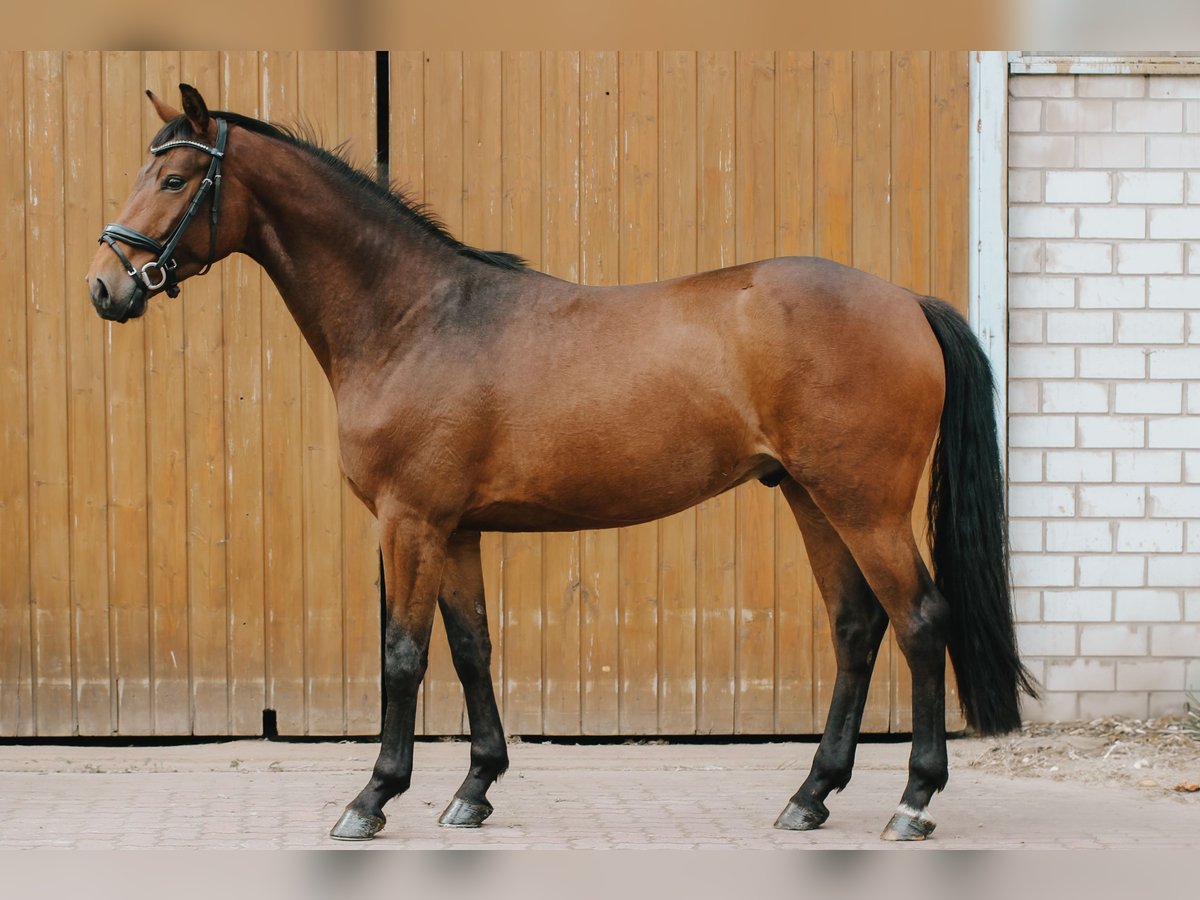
x,y
462,603
413,555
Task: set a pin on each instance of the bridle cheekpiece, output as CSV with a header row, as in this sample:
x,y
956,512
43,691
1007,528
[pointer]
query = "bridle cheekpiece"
x,y
165,265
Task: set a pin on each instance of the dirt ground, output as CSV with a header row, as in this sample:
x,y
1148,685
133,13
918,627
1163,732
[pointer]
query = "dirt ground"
x,y
1159,756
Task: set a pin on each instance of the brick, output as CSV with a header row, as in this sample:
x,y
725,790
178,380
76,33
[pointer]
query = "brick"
x,y
1079,257
1111,431
1111,363
1093,705
1149,187
1081,675
1193,116
1113,640
1041,431
1191,606
1193,333
1042,86
1178,571
1150,328
1178,86
1147,606
1112,501
1076,115
1191,467
1168,703
1175,640
1027,605
1148,116
1029,570
1024,115
1052,707
1108,222
1079,328
1112,86
1074,396
1192,544
1078,187
1042,362
1046,640
1150,259
1174,223
1079,536
1025,465
1025,256
1112,571
1025,292
1172,362
1022,397
1173,501
1075,466
1024,186
1148,398
1041,221
1193,187
1025,535
1148,465
1149,537
1024,327
1040,501
1111,151
1173,293
1149,675
1193,258
1179,432
1112,292
1168,153
1041,152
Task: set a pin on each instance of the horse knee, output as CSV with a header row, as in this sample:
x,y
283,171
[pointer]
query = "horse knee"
x,y
404,659
857,637
926,627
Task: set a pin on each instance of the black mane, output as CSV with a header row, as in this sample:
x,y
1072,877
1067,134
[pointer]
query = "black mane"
x,y
392,198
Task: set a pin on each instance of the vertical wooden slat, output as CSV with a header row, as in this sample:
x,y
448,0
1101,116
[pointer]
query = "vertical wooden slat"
x,y
166,468
638,548
49,531
833,238
794,585
406,160
755,178
86,428
16,663
677,256
522,224
283,346
360,535
560,257
599,255
204,450
482,196
125,372
323,557
242,309
872,253
716,519
444,709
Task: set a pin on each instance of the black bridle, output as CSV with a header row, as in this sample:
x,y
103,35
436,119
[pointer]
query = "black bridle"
x,y
165,264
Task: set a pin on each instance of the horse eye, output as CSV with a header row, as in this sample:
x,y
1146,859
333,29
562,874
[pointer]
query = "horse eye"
x,y
173,183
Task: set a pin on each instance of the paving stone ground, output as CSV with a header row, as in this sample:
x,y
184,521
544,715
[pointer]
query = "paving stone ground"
x,y
260,794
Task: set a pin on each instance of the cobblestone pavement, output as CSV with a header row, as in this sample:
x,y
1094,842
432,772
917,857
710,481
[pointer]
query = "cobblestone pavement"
x,y
259,794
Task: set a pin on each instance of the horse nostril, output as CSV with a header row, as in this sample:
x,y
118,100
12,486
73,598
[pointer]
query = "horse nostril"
x,y
99,292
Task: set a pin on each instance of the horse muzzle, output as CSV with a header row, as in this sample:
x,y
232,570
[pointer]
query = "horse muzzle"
x,y
129,305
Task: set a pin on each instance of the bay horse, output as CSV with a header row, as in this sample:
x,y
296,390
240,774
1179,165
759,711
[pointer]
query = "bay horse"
x,y
476,394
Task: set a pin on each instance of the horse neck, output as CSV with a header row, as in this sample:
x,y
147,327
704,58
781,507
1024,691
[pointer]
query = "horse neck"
x,y
352,274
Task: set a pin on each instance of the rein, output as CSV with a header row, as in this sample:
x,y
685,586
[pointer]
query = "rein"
x,y
166,264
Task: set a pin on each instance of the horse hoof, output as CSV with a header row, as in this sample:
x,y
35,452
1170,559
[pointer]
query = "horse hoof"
x,y
908,825
800,818
354,826
464,814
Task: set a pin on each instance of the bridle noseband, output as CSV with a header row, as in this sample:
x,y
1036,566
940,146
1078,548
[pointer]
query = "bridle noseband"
x,y
165,264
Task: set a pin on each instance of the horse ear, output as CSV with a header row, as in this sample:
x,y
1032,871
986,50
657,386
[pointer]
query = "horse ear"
x,y
194,108
165,112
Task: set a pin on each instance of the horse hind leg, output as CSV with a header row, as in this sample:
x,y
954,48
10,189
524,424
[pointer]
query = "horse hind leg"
x,y
461,600
858,623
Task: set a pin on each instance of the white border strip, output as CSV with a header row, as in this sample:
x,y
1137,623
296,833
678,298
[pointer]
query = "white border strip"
x,y
988,221
1126,64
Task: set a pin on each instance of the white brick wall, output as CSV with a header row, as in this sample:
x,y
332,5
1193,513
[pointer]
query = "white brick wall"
x,y
1104,391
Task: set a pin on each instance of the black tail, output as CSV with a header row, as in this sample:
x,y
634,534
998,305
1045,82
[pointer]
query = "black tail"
x,y
969,533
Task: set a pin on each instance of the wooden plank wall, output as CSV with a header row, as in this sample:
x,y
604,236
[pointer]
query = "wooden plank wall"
x,y
623,167
178,551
